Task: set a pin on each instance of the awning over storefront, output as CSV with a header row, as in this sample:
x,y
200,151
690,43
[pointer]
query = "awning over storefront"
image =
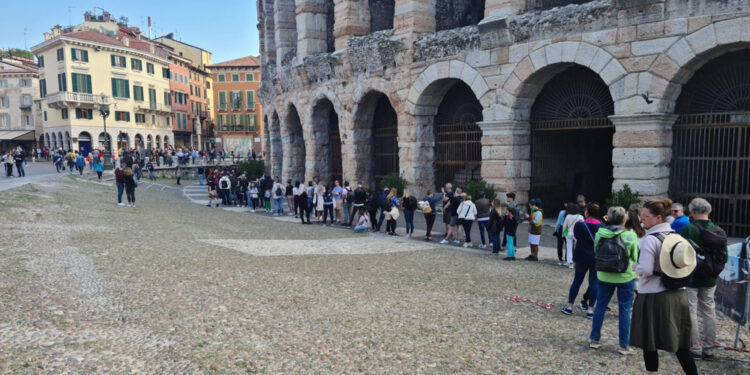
x,y
17,135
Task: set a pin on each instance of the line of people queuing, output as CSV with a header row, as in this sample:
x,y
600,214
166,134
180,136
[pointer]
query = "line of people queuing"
x,y
661,265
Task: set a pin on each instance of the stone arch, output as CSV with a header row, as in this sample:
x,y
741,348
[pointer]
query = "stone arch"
x,y
544,63
673,68
381,14
277,152
374,137
324,138
426,92
149,142
293,140
68,142
103,139
60,141
158,142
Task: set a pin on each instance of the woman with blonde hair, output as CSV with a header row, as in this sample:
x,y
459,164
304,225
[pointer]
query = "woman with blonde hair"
x,y
318,201
410,205
390,224
467,214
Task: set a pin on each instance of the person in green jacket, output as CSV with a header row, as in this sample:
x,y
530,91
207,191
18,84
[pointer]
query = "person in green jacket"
x,y
701,290
623,283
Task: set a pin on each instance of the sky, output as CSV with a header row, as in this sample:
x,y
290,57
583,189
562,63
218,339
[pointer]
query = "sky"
x,y
226,28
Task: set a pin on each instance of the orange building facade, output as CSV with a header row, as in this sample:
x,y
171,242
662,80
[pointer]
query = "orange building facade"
x,y
238,113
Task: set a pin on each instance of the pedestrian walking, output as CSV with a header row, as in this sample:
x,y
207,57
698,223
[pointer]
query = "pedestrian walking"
x,y
301,205
372,205
483,217
201,172
680,219
120,183
429,211
319,202
150,169
384,207
253,191
8,161
130,185
661,316
224,185
512,207
583,258
80,162
337,192
98,168
712,242
20,158
615,253
212,193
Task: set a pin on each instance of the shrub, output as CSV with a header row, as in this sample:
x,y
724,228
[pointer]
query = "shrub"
x,y
623,197
394,180
253,168
474,187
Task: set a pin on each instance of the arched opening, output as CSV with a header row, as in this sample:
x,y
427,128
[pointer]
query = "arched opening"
x,y
68,142
458,139
277,151
450,14
376,139
149,142
41,141
166,142
294,162
330,21
84,143
710,153
53,140
123,142
138,141
61,142
158,142
327,161
103,142
571,139
381,14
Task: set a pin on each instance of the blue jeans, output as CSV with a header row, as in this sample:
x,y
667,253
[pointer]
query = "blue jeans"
x,y
511,240
580,273
495,240
409,218
625,294
120,188
277,206
58,166
360,228
482,226
19,168
151,175
467,229
380,220
200,179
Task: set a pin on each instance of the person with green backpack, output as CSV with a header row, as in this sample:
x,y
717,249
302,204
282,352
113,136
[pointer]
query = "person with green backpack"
x,y
615,253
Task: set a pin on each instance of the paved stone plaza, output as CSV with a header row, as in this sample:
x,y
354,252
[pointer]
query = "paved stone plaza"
x,y
173,287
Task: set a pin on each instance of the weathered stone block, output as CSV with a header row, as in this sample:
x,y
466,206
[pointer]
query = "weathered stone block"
x,y
585,54
746,29
600,60
553,53
640,139
619,51
525,69
698,22
641,173
664,67
623,157
681,52
612,72
569,51
650,47
625,87
650,30
702,40
538,58
512,85
518,52
729,31
478,58
626,34
638,64
600,38
645,187
676,27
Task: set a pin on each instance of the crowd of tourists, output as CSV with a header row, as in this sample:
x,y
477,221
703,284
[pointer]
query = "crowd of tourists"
x,y
662,266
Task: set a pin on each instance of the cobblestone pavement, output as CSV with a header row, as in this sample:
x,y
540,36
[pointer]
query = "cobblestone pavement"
x,y
176,288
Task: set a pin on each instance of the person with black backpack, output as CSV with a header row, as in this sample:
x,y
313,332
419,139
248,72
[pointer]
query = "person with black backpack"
x,y
661,316
712,246
410,205
615,253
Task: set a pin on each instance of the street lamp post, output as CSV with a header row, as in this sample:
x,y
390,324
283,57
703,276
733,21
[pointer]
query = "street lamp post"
x,y
104,112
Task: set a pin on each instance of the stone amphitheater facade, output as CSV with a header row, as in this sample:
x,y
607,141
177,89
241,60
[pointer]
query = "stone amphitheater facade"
x,y
578,96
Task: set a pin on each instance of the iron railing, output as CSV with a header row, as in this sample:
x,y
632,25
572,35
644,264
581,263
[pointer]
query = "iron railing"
x,y
711,160
572,124
458,153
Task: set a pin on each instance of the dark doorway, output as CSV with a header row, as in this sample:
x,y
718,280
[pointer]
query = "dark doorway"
x,y
710,152
385,139
571,139
381,14
294,163
450,14
327,153
334,158
458,139
330,21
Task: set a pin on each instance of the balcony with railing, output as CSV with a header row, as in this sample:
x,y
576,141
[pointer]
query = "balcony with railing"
x,y
159,109
238,128
25,107
68,99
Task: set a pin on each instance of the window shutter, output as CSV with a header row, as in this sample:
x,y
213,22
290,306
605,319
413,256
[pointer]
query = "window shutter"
x,y
88,84
86,56
114,84
127,116
75,77
127,89
112,59
78,113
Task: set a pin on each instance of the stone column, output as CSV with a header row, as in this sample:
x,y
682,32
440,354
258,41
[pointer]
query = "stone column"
x,y
416,151
285,31
506,156
352,19
268,31
414,17
499,8
642,152
311,28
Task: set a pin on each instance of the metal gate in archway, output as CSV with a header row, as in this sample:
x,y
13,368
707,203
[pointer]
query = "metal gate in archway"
x,y
458,153
711,141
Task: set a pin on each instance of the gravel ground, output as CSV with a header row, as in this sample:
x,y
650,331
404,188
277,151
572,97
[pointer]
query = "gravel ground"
x,y
173,287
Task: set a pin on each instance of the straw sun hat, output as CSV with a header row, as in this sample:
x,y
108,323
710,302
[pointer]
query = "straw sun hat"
x,y
677,257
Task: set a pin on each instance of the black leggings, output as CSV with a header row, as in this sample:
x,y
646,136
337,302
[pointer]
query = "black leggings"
x,y
560,247
373,218
390,226
130,193
430,219
683,355
328,210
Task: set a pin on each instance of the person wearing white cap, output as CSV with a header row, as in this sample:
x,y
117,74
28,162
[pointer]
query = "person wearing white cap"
x,y
661,316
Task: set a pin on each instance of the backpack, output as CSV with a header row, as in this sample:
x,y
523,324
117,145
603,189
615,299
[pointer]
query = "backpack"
x,y
711,254
612,254
410,203
224,184
669,282
385,205
349,195
279,191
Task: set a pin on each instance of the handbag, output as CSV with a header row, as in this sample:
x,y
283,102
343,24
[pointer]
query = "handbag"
x,y
394,213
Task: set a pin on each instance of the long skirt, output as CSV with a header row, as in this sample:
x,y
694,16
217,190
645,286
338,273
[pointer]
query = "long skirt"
x,y
661,321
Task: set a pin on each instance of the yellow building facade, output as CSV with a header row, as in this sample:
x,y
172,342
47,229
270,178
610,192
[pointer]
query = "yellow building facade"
x,y
81,72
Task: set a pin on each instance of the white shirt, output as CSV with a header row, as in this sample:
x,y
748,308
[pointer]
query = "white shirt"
x,y
467,210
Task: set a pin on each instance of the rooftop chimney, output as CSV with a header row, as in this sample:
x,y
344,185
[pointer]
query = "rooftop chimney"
x,y
126,41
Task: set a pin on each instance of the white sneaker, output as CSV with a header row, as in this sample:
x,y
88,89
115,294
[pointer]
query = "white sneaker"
x,y
133,205
130,205
456,241
252,210
481,246
559,263
467,244
444,241
121,204
571,266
